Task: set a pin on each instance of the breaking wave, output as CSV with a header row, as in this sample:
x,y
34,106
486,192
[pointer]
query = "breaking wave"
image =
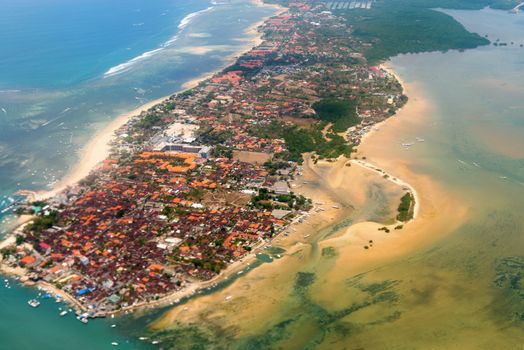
x,y
124,67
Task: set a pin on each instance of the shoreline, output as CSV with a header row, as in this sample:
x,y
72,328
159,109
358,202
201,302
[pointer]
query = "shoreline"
x,y
393,179
98,147
438,212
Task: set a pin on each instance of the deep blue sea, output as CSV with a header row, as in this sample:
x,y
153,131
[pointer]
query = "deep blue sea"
x,y
67,69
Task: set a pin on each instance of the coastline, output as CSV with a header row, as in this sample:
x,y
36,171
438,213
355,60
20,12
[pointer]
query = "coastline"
x,y
437,213
98,147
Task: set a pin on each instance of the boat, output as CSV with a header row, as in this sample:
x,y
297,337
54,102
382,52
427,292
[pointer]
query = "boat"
x,y
33,303
82,319
154,342
113,325
143,338
63,313
114,343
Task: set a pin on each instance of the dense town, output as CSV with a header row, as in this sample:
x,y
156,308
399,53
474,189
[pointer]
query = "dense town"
x,y
203,179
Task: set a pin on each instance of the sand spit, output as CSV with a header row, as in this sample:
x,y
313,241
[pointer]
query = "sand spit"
x,y
261,298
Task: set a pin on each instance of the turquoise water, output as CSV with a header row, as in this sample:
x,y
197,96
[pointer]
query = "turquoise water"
x,y
57,43
67,68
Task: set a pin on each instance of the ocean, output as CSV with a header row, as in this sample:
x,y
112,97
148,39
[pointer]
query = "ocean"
x,y
67,69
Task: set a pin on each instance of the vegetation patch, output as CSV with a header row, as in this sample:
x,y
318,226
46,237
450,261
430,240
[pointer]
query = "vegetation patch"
x,y
405,209
410,26
329,252
341,113
305,140
303,281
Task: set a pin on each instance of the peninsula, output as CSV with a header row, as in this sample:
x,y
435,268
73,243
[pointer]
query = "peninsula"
x,y
202,179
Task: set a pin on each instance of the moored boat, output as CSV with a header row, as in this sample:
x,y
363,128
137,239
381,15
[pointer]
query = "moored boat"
x,y
33,303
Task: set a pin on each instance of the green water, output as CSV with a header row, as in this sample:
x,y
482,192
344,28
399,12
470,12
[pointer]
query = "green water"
x,y
464,291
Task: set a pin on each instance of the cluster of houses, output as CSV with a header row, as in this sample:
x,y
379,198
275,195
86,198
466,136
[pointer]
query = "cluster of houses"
x,y
189,187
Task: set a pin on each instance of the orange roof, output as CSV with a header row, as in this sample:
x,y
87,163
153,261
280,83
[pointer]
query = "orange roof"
x,y
156,267
27,260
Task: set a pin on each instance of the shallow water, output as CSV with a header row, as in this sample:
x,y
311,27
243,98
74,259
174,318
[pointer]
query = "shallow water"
x,y
464,289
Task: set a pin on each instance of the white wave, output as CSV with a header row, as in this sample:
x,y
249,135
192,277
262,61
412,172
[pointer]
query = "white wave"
x,y
127,65
186,20
9,91
184,23
170,41
124,67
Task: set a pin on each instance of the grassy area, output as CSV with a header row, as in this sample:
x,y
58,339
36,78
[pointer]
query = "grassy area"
x,y
409,26
405,208
301,140
342,113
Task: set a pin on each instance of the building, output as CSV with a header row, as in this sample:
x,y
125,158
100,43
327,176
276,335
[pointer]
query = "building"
x,y
203,151
281,187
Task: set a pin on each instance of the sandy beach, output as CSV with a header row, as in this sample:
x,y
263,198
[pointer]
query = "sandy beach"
x,y
95,151
98,148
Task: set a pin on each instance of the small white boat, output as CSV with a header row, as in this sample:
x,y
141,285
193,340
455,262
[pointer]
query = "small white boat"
x,y
143,338
82,319
63,313
113,325
114,343
33,303
154,342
